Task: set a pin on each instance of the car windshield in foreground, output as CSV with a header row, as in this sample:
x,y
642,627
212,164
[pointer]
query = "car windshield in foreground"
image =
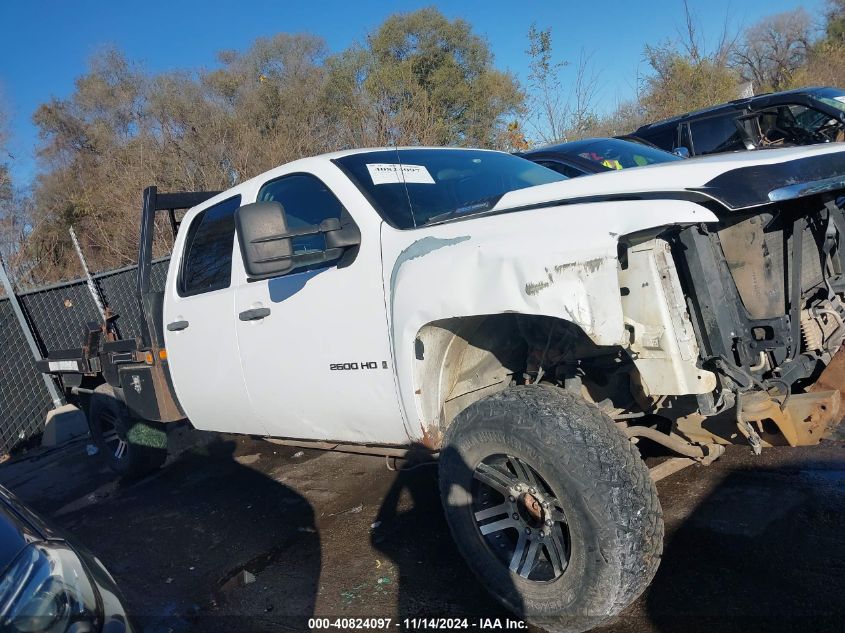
x,y
615,153
414,187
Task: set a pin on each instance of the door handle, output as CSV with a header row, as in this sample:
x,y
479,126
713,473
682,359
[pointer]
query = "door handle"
x,y
176,326
256,314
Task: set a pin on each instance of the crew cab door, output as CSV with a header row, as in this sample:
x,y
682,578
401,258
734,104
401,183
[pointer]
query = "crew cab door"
x,y
199,322
314,342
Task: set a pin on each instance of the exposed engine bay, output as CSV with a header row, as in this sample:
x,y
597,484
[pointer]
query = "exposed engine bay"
x,y
754,315
785,303
765,295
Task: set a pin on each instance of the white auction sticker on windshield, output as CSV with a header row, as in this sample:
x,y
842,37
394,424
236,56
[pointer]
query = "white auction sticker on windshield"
x,y
390,173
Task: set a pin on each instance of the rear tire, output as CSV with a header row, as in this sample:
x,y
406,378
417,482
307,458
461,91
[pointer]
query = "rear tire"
x,y
131,447
551,505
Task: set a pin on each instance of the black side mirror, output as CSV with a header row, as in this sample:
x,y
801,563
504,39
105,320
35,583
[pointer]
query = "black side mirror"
x,y
267,243
264,257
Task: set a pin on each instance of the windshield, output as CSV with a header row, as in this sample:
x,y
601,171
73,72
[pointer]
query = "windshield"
x,y
831,96
807,118
618,154
413,187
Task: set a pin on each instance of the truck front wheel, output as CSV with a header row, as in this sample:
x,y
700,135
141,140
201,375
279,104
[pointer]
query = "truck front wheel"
x,y
551,505
131,447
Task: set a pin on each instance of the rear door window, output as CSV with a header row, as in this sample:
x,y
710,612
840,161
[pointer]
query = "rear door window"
x,y
665,138
207,263
716,134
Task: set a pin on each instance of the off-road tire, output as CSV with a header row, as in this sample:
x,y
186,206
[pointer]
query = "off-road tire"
x,y
144,443
610,503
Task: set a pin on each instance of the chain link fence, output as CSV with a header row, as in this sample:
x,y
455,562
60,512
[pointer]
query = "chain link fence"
x,y
56,315
24,400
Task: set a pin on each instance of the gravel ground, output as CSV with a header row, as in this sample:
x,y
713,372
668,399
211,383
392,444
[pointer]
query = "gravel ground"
x,y
753,543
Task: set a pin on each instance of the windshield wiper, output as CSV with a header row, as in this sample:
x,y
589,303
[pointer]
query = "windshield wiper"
x,y
476,206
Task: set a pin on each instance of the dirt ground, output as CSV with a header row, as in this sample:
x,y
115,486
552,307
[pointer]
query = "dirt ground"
x,y
753,543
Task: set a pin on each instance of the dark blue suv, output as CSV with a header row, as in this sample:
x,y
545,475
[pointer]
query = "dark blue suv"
x,y
795,117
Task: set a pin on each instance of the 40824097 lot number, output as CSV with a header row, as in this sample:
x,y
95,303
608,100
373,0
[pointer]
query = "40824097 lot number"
x,y
416,624
350,623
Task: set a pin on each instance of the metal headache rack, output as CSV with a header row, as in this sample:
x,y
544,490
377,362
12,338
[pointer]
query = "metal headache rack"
x,y
153,203
69,336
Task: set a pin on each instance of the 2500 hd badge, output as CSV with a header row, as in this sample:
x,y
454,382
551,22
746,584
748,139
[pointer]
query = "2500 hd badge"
x,y
362,365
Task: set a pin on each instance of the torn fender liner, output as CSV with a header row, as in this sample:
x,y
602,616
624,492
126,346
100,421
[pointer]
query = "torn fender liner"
x,y
751,186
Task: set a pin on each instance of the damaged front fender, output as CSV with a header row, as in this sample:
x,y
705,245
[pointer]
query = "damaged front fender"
x,y
559,262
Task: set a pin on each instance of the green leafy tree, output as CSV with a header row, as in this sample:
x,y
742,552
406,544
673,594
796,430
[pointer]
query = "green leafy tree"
x,y
681,83
826,57
433,80
834,27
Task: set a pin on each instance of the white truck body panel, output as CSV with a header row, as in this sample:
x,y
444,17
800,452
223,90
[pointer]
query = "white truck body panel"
x,y
205,360
320,319
274,376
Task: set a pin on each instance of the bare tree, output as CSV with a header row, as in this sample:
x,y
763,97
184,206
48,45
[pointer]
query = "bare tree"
x,y
5,178
693,42
687,73
549,108
584,92
557,113
10,235
773,49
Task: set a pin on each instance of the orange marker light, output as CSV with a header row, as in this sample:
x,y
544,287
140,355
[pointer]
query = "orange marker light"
x,y
162,354
148,357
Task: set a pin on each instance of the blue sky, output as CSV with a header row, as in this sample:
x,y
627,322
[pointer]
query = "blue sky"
x,y
46,43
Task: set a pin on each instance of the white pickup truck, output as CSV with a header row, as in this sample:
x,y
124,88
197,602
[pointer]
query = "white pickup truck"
x,y
528,329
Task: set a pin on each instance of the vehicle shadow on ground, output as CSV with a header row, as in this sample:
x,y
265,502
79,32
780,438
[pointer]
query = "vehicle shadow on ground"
x,y
219,532
747,558
412,532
